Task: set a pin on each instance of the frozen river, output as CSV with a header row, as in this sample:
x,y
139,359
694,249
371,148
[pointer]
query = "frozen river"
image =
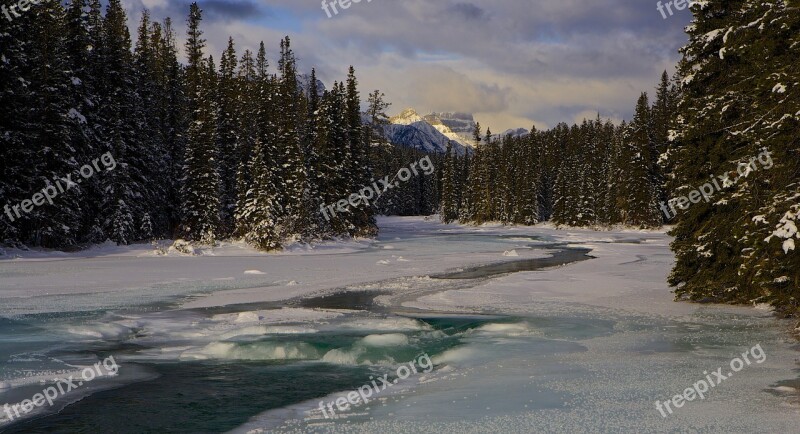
x,y
501,330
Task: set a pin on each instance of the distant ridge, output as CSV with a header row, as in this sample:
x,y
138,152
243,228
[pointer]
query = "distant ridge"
x,y
430,133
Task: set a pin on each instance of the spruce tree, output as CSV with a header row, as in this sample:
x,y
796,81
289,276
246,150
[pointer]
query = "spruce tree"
x,y
287,119
228,136
638,206
263,207
360,173
737,101
200,195
527,181
312,147
663,113
249,104
448,212
16,154
54,123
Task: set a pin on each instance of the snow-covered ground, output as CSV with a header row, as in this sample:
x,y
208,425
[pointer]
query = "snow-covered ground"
x,y
587,347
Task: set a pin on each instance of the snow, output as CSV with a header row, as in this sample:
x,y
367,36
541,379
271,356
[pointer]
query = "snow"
x,y
385,340
75,114
710,36
590,344
504,387
787,230
429,133
727,34
447,132
407,117
788,246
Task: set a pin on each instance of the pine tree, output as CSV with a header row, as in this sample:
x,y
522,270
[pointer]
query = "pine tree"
x,y
122,229
294,197
448,212
228,136
312,147
639,195
16,155
547,155
360,173
152,156
736,101
527,181
54,125
201,183
566,208
249,101
663,114
338,155
128,189
376,114
475,181
172,118
263,209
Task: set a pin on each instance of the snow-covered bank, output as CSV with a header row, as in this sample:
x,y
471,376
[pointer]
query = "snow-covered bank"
x,y
110,277
588,346
629,270
595,345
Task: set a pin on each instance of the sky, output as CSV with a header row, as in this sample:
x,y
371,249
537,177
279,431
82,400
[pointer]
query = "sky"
x,y
512,63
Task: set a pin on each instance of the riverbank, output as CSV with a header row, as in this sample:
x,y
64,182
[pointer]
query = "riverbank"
x,y
587,345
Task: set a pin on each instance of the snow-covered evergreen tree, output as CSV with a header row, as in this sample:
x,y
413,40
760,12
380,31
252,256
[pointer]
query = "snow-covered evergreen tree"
x,y
54,123
448,212
228,136
200,194
637,187
263,208
739,98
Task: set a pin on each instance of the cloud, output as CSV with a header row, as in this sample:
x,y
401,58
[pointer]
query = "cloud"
x,y
444,88
468,11
232,10
511,61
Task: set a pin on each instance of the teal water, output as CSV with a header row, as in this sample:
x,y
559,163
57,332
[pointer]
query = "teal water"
x,y
217,396
246,378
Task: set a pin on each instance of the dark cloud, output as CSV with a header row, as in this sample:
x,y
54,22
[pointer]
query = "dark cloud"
x,y
468,11
232,9
213,10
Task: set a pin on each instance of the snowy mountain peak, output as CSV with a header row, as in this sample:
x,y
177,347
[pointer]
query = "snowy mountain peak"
x,y
429,133
407,117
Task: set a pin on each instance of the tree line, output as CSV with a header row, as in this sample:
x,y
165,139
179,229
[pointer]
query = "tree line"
x,y
206,152
595,174
734,96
